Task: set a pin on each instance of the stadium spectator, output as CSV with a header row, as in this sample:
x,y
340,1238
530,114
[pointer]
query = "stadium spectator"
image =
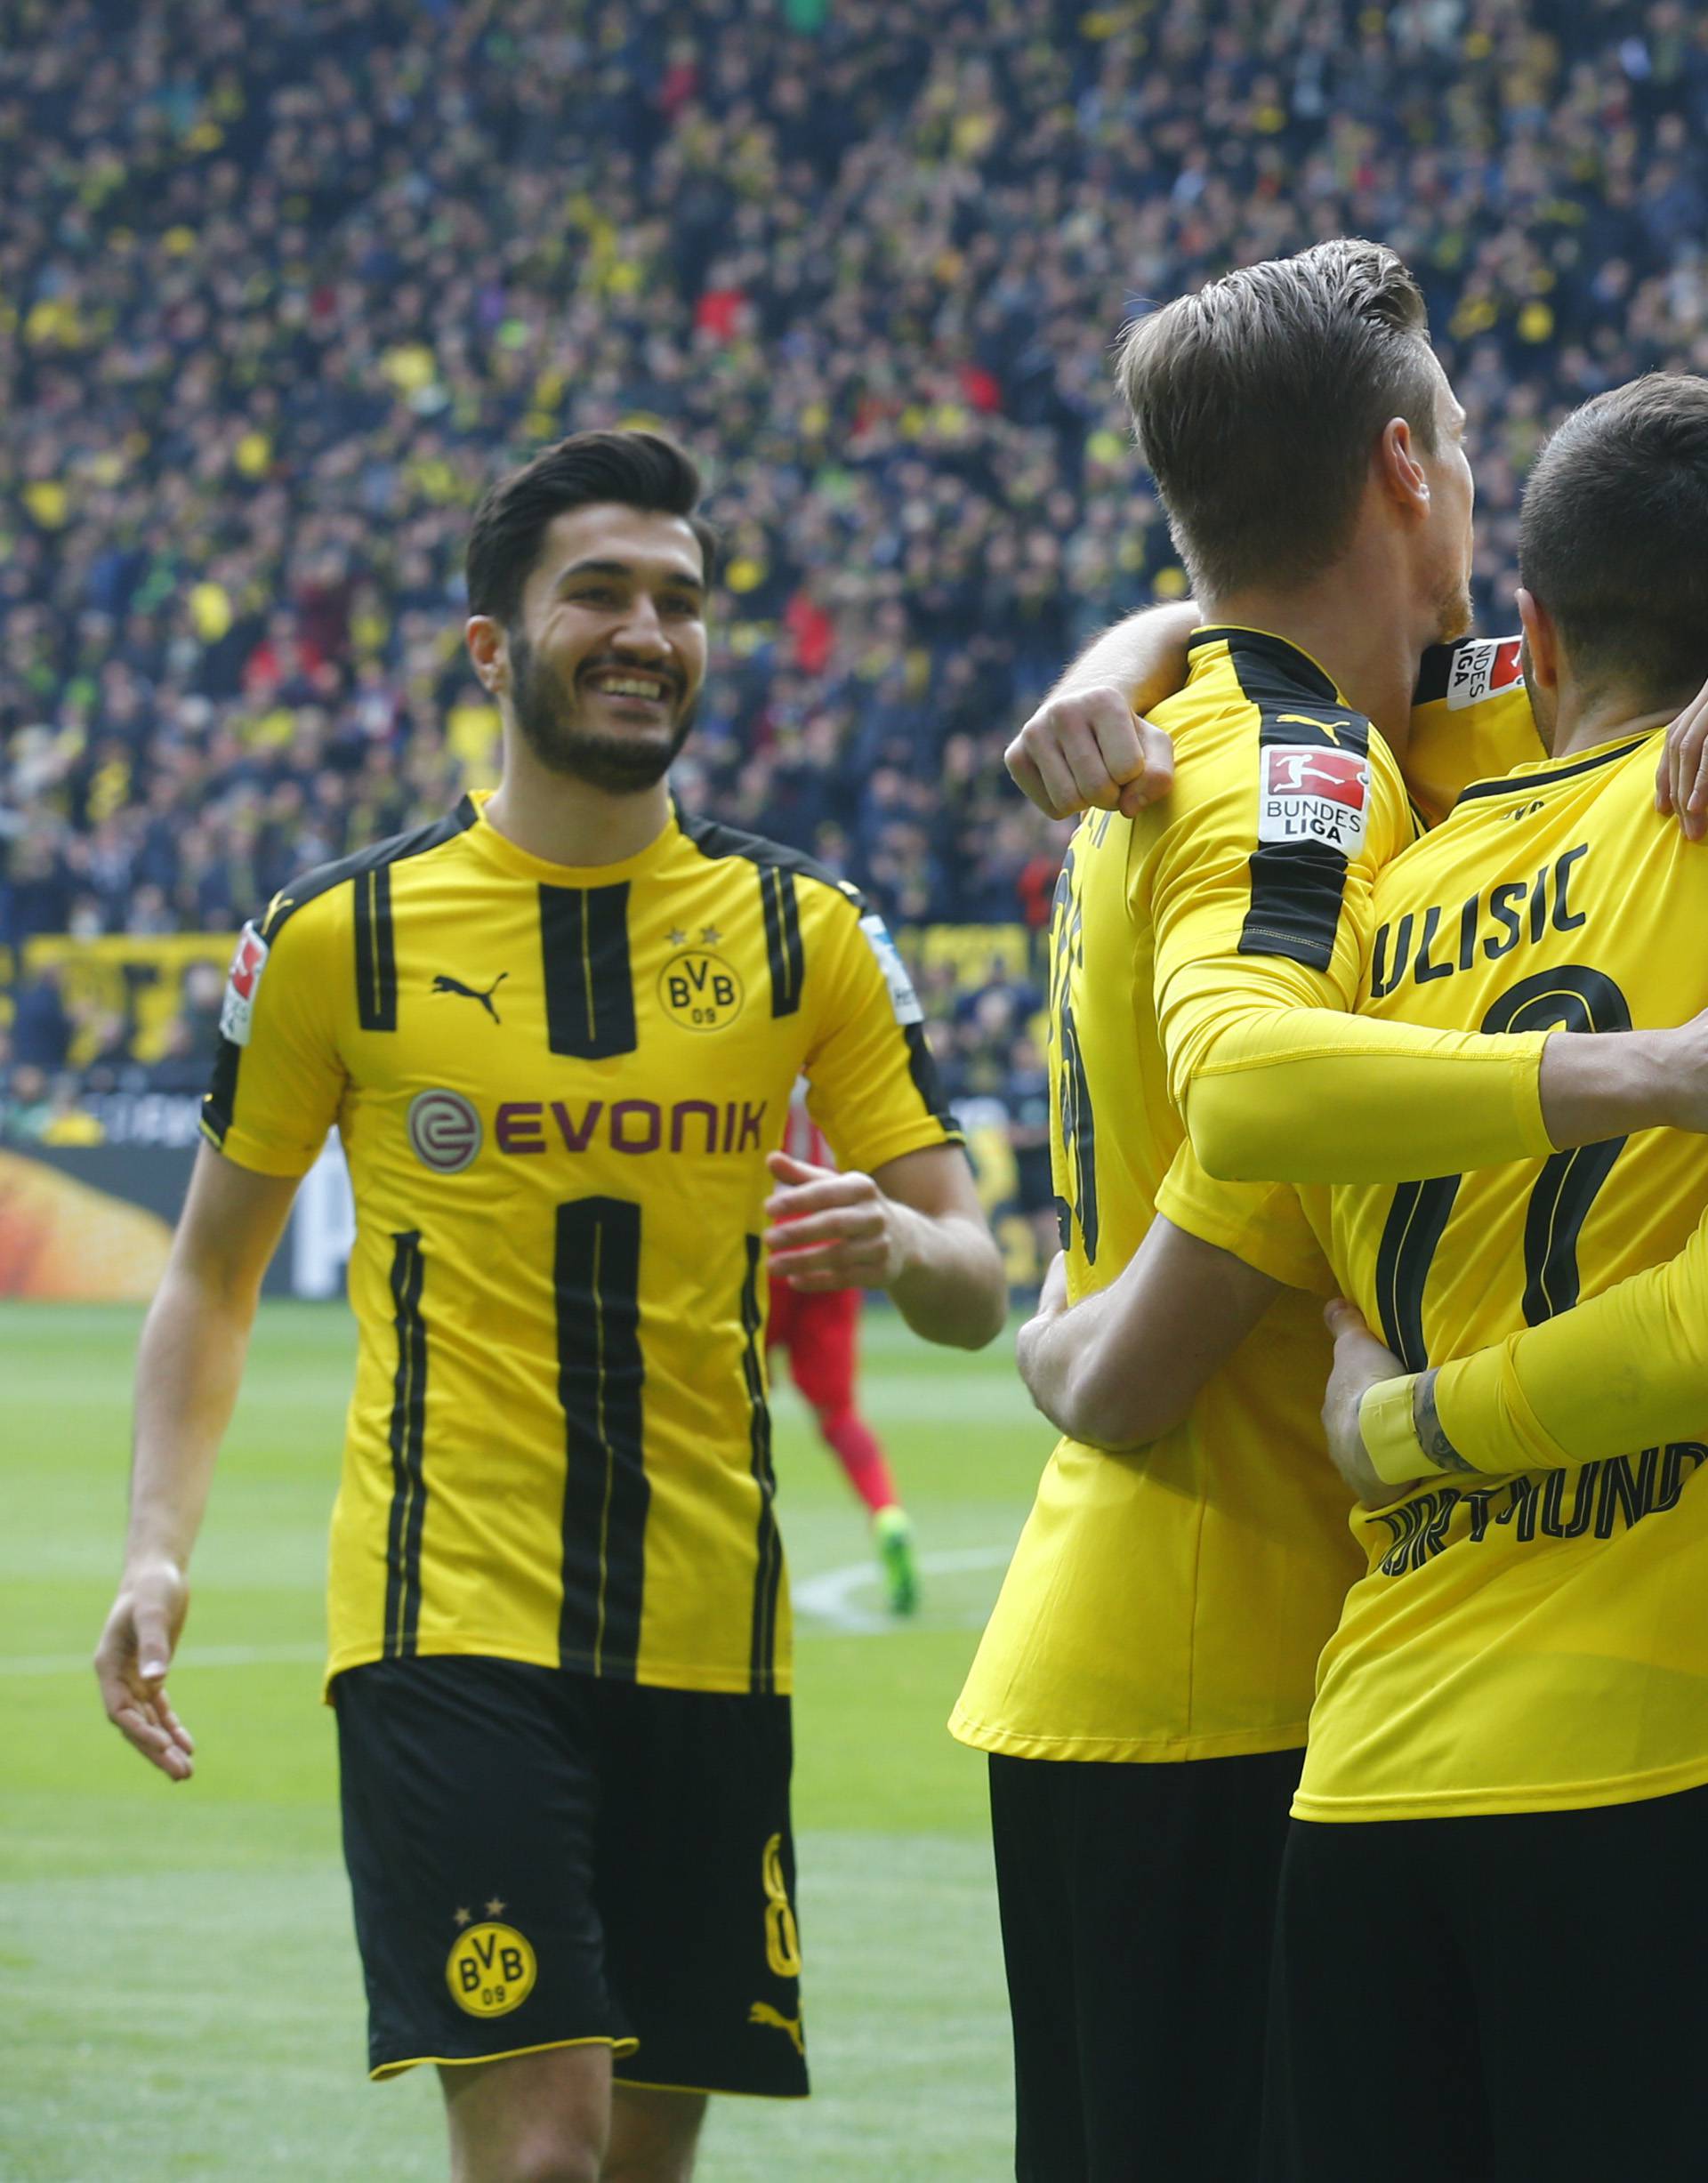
x,y
281,284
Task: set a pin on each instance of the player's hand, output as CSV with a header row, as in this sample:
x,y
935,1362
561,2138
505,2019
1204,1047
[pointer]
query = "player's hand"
x,y
1360,1364
1681,778
1087,749
831,1230
131,1664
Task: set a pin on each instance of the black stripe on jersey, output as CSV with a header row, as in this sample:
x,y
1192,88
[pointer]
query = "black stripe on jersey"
x,y
922,1067
376,957
1415,1221
1296,886
1434,674
375,966
778,870
782,937
768,1565
589,985
393,850
601,1374
221,1094
1270,670
409,1437
783,943
1544,777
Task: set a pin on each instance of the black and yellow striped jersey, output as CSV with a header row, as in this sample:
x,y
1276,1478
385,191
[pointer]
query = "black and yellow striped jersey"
x,y
1169,1604
1537,1641
1471,721
556,1089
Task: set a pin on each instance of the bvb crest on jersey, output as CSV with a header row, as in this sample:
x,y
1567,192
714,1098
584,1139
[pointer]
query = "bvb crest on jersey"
x,y
700,990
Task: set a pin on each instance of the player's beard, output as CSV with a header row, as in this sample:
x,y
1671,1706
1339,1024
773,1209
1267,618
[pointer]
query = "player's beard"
x,y
1453,612
549,716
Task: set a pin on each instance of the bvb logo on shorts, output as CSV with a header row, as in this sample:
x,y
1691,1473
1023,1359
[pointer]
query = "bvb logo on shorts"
x,y
490,1970
700,991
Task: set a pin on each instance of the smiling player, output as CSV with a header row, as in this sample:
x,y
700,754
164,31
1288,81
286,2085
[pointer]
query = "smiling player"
x,y
557,1030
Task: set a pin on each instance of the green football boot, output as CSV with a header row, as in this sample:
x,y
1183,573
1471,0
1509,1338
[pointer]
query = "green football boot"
x,y
895,1537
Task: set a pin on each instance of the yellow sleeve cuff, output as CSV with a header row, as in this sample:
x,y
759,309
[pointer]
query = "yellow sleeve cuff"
x,y
1389,1437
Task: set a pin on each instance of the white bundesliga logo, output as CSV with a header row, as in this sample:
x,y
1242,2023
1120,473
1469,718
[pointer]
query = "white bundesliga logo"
x,y
444,1131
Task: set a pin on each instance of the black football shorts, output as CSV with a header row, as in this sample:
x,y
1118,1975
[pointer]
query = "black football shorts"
x,y
539,1858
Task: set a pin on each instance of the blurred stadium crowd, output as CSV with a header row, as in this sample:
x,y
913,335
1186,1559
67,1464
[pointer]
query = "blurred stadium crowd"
x,y
282,287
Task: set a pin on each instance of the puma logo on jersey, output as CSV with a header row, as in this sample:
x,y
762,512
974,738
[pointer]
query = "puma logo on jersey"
x,y
762,2012
455,984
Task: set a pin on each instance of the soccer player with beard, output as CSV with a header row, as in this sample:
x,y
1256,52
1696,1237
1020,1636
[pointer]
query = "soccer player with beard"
x,y
557,1030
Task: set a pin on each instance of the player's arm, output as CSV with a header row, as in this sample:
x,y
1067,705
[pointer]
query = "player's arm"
x,y
913,1227
1277,1082
190,1362
1122,1366
1628,1369
1088,746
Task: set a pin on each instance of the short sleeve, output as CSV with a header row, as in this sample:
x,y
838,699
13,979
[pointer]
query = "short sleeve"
x,y
278,1080
871,1084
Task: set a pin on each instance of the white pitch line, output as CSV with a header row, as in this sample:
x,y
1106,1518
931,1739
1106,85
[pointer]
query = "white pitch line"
x,y
195,1656
824,1601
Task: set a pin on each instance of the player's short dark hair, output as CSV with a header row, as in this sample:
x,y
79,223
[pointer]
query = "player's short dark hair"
x,y
1613,537
634,470
1256,403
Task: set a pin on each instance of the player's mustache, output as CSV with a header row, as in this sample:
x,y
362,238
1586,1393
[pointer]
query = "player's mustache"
x,y
612,663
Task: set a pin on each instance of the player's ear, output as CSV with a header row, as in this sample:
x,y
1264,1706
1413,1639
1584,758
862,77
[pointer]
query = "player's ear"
x,y
1403,476
489,652
1541,640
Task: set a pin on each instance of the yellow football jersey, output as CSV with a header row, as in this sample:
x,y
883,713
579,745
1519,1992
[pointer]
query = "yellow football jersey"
x,y
1471,721
1534,1642
556,1089
1170,1604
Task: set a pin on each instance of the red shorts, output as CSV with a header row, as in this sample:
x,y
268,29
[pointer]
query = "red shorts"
x,y
821,1333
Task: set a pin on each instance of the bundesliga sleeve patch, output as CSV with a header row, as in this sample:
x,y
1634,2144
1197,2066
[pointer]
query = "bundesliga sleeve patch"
x,y
1481,667
237,1011
1312,794
903,999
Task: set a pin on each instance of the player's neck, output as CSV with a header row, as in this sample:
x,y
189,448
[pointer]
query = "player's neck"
x,y
1369,654
569,822
1604,719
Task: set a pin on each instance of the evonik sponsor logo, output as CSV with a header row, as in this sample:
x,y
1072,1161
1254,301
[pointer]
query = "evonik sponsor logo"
x,y
633,1125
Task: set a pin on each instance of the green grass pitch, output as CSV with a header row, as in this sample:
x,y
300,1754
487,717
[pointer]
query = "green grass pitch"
x,y
177,1980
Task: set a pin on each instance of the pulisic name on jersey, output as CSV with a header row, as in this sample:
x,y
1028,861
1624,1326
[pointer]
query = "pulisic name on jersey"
x,y
1438,942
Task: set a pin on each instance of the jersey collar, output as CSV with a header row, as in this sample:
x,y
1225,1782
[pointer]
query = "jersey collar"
x,y
1312,678
499,849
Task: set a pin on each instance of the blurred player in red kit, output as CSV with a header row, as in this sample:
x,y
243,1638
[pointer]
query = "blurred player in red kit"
x,y
820,1330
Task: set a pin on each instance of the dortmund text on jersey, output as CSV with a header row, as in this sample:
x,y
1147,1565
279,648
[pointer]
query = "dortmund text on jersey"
x,y
556,1089
1537,1641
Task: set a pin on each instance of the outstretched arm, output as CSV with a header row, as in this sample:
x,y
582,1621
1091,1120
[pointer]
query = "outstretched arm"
x,y
188,1370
